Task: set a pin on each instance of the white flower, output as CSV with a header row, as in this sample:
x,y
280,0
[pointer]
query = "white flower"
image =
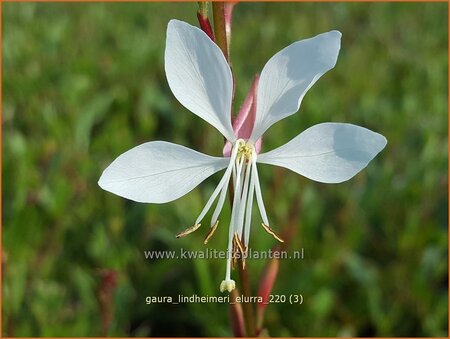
x,y
201,80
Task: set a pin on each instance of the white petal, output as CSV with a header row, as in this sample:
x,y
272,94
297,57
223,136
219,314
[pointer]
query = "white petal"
x,y
199,75
328,152
158,172
289,74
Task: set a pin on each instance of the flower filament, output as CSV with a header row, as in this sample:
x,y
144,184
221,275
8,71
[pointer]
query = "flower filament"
x,y
243,171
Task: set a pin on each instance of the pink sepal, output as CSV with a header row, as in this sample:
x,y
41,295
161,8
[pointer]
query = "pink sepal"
x,y
245,120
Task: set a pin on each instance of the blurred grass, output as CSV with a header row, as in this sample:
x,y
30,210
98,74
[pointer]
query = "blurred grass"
x,y
83,83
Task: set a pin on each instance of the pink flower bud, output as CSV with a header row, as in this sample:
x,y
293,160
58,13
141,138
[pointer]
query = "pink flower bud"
x,y
205,25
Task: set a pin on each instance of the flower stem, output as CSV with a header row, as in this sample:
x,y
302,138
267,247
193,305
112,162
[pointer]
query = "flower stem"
x,y
249,318
219,27
203,8
236,315
202,16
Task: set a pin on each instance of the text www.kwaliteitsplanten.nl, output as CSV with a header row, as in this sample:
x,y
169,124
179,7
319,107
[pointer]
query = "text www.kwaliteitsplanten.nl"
x,y
216,254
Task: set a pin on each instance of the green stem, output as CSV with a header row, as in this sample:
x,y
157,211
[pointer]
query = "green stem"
x,y
219,27
203,8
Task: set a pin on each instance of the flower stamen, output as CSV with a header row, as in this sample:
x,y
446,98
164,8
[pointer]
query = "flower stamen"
x,y
259,198
219,206
239,244
269,230
233,253
222,189
211,232
243,200
249,206
239,251
188,230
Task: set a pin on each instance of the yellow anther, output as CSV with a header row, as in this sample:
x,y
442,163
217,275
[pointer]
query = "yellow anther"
x,y
188,230
211,232
234,251
271,232
239,247
239,244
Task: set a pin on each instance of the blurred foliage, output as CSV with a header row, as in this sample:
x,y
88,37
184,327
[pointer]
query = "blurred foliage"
x,y
83,83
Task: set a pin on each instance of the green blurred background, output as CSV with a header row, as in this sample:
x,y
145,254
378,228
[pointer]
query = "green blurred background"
x,y
83,83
